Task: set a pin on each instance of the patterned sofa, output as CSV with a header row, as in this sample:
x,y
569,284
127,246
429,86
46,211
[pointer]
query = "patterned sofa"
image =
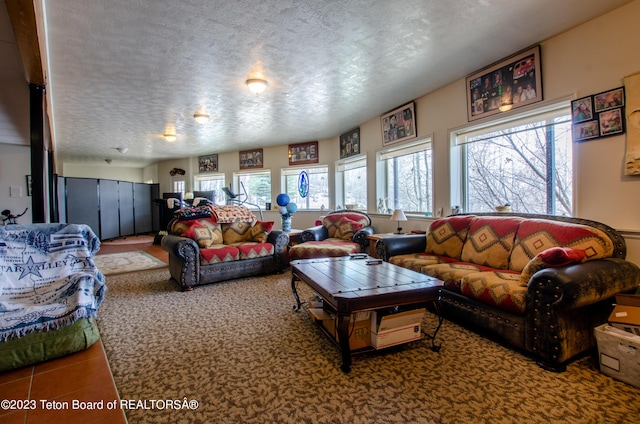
x,y
216,243
541,283
342,233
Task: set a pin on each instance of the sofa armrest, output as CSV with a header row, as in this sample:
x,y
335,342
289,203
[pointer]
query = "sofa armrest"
x,y
391,246
280,241
317,233
184,259
360,237
576,285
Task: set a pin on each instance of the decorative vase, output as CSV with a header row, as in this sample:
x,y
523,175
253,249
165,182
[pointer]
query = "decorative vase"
x,y
286,223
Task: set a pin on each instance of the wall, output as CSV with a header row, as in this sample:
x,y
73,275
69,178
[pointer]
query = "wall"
x,y
14,166
134,175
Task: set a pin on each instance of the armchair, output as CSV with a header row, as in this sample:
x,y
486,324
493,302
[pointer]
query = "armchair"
x,y
342,233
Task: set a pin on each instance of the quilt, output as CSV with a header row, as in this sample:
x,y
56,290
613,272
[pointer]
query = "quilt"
x,y
48,278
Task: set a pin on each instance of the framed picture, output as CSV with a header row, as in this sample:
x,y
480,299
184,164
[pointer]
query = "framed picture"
x,y
582,110
511,83
609,99
611,122
208,163
302,153
250,159
399,124
599,115
586,130
350,143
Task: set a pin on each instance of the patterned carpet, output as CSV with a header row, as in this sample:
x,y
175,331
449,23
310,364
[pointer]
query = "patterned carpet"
x,y
239,350
119,263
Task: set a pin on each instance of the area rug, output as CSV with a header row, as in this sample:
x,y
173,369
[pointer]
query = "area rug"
x,y
236,352
119,263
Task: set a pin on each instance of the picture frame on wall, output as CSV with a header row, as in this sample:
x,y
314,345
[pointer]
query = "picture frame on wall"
x,y
350,143
399,124
208,163
599,115
509,84
251,159
303,153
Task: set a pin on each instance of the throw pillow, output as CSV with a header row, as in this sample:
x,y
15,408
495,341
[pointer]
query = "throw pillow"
x,y
346,228
202,235
550,258
260,231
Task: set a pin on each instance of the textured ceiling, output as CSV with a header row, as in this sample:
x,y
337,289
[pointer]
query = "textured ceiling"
x,y
124,72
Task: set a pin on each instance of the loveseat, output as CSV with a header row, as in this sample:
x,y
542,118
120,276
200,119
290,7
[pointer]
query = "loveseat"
x,y
210,244
540,283
341,233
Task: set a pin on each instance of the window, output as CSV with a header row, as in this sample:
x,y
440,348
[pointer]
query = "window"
x,y
351,180
178,186
254,188
407,178
318,197
525,162
209,182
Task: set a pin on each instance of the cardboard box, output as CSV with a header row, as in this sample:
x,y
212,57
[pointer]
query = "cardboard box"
x,y
626,313
618,354
395,329
359,327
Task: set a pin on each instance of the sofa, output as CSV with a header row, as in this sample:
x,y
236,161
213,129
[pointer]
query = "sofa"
x,y
539,283
50,292
209,244
341,233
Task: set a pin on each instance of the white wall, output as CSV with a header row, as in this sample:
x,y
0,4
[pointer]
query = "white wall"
x,y
134,175
14,168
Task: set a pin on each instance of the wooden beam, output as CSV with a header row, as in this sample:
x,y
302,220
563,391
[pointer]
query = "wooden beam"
x,y
23,20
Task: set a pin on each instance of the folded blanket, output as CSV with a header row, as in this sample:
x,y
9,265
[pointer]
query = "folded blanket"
x,y
47,277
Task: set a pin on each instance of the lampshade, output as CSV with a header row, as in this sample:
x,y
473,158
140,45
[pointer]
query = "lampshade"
x,y
257,85
201,118
170,137
398,215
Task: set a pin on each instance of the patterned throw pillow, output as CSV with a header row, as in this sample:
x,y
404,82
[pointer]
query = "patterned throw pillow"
x,y
202,235
490,241
236,232
346,228
447,235
553,257
260,231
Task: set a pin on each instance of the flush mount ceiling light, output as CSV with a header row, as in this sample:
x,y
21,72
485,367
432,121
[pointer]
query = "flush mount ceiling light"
x,y
201,117
257,85
122,150
170,137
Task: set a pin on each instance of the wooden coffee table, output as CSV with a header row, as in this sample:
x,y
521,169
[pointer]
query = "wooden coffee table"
x,y
351,284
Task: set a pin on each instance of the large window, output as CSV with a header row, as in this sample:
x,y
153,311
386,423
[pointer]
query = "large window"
x,y
525,162
407,174
318,197
351,182
210,182
253,188
178,186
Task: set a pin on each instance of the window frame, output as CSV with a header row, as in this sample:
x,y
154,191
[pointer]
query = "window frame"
x,y
340,169
237,188
284,172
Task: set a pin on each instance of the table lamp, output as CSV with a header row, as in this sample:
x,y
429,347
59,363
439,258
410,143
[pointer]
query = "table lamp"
x,y
398,215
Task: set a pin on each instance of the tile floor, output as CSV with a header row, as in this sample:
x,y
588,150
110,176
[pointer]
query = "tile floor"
x,y
82,376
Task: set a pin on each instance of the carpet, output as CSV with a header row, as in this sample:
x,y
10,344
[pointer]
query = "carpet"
x,y
119,263
239,350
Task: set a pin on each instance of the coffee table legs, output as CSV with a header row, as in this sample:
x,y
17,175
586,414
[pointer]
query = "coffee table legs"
x,y
294,289
343,337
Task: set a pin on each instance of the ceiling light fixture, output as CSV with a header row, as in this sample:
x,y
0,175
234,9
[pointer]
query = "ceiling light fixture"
x,y
170,137
122,150
201,117
257,85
